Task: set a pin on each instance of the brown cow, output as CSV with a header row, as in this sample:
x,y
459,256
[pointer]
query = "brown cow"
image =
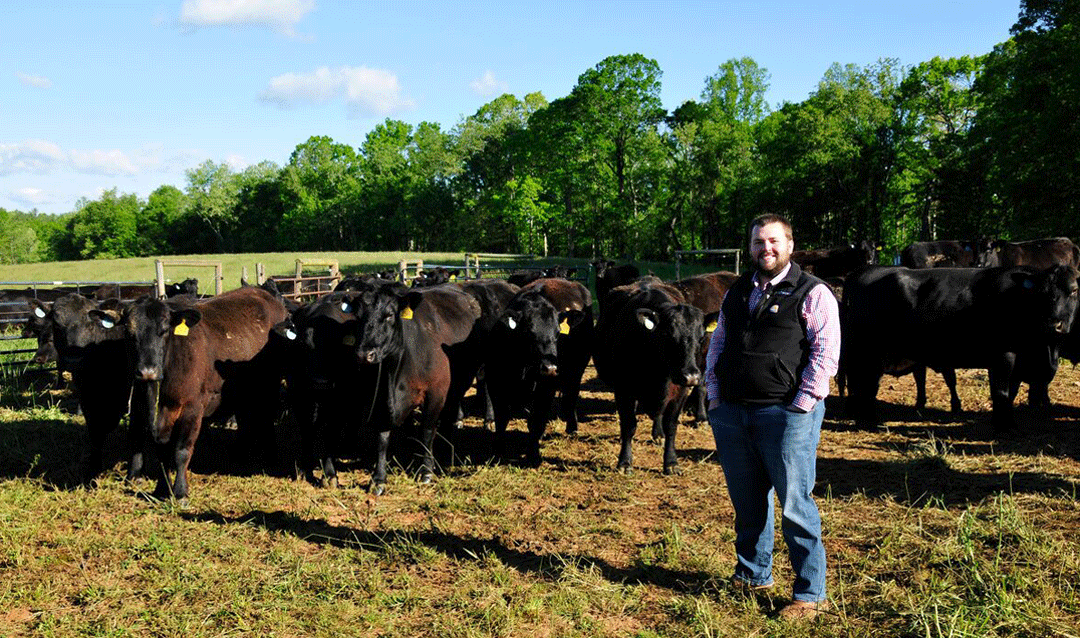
x,y
573,302
1040,253
192,355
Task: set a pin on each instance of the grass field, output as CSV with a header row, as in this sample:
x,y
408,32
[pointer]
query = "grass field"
x,y
929,532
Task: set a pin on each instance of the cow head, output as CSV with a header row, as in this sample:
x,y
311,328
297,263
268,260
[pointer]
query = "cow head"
x,y
676,331
185,287
380,311
39,326
1062,291
988,252
150,324
529,328
77,326
325,336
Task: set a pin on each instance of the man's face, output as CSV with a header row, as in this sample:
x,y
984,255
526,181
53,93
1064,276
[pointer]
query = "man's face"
x,y
770,248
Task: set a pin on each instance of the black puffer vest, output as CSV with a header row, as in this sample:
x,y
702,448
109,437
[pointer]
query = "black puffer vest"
x,y
765,349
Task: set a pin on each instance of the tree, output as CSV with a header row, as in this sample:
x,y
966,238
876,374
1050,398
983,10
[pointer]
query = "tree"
x,y
319,189
1029,128
212,193
158,219
18,239
106,228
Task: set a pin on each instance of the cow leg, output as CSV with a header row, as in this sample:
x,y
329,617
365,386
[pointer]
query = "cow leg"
x,y
657,428
673,407
543,394
187,430
949,374
1040,372
570,380
919,372
625,405
1001,393
164,434
697,403
434,406
484,398
378,479
144,397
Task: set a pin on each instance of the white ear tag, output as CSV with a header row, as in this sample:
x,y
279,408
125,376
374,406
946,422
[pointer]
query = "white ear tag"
x,y
649,325
510,322
774,309
108,323
290,334
39,312
345,307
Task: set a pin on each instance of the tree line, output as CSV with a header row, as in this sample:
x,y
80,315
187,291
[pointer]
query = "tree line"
x,y
948,148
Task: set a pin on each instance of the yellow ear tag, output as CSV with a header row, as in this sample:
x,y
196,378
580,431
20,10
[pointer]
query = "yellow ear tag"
x,y
564,327
710,327
181,329
453,277
406,313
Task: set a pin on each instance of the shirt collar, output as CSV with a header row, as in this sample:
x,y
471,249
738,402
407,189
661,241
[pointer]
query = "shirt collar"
x,y
775,280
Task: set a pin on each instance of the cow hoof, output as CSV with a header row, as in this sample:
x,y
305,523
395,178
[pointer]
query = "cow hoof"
x,y
625,470
532,460
331,482
571,429
672,470
459,424
426,478
377,489
489,426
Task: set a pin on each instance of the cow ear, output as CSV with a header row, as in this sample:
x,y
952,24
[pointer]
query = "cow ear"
x,y
107,318
188,316
408,303
39,308
285,329
710,321
647,318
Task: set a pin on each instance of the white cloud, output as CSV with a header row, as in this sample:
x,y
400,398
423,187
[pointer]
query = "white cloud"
x,y
31,196
366,92
487,86
279,15
34,80
42,157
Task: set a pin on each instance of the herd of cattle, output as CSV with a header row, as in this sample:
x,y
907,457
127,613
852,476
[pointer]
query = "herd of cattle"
x,y
374,355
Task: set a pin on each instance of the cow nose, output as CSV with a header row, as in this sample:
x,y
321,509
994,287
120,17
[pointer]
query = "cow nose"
x,y
149,374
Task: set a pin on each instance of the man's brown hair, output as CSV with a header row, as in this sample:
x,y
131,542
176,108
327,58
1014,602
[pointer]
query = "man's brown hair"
x,y
770,218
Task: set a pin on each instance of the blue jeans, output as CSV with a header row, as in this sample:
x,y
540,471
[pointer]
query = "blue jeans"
x,y
765,449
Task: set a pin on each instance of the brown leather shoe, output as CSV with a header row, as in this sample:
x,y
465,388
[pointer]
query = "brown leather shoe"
x,y
803,610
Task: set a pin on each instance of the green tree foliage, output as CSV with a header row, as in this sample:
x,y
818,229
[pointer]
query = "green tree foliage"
x,y
106,228
1029,124
212,195
19,241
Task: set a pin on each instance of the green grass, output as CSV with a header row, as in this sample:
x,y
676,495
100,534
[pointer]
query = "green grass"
x,y
929,532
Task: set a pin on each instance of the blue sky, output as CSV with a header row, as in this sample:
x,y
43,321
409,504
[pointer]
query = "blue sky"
x,y
128,95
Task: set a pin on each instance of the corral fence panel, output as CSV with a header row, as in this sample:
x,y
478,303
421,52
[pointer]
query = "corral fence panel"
x,y
303,288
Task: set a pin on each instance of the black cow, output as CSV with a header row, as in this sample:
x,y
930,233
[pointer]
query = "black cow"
x,y
493,296
91,346
946,253
196,359
185,287
647,346
609,276
574,304
522,278
435,277
706,293
1038,253
411,339
836,262
1000,319
521,366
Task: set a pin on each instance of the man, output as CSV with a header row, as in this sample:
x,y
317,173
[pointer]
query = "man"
x,y
767,370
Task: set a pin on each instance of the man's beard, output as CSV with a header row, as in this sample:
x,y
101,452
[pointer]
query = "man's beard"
x,y
781,262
